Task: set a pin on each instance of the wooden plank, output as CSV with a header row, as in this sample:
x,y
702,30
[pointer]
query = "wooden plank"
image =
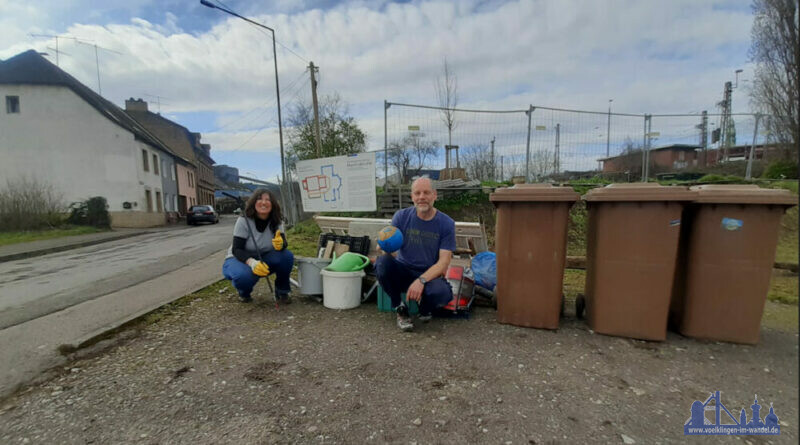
x,y
328,250
340,249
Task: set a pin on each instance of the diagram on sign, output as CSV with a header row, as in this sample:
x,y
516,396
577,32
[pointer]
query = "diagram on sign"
x,y
327,185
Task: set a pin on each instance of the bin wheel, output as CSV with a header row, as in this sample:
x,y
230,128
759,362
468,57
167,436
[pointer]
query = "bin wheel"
x,y
580,306
494,301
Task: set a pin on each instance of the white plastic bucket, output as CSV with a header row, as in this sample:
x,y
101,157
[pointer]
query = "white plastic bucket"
x,y
341,290
308,272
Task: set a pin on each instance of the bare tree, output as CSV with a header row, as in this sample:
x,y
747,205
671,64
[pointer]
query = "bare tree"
x,y
409,155
478,162
447,97
542,163
776,51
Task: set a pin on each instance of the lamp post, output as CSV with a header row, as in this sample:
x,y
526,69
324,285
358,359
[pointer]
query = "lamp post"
x,y
274,58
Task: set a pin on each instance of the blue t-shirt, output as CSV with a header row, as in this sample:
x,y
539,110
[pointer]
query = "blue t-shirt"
x,y
422,240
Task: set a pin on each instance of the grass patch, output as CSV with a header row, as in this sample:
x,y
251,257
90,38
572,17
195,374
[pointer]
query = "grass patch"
x,y
783,287
304,238
7,238
781,317
574,281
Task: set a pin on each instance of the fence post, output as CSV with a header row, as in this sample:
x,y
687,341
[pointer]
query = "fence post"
x,y
386,106
749,170
528,144
644,147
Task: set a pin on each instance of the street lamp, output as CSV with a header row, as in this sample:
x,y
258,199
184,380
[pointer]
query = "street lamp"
x,y
737,77
275,58
608,131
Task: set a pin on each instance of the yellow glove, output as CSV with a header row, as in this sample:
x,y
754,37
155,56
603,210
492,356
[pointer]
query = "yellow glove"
x,y
259,268
277,242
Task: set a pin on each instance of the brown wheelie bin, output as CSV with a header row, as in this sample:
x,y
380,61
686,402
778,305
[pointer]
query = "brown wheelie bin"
x,y
632,246
727,254
531,244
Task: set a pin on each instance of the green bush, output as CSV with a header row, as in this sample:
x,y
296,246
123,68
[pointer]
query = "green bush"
x,y
722,179
92,212
781,169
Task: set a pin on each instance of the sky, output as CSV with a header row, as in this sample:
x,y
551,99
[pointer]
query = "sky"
x,y
214,73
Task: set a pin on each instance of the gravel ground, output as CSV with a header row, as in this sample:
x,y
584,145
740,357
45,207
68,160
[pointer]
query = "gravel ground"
x,y
212,370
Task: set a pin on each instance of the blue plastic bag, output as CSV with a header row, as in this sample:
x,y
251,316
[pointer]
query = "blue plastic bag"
x,y
484,267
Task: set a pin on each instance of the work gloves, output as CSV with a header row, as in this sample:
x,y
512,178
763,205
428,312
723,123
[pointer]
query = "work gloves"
x,y
277,242
259,268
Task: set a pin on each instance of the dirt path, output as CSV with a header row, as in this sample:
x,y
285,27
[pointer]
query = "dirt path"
x,y
217,371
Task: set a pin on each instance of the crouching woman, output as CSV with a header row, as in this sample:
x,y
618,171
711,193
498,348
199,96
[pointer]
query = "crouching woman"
x,y
259,248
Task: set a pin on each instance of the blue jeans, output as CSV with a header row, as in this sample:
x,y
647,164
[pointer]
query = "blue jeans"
x,y
280,263
395,277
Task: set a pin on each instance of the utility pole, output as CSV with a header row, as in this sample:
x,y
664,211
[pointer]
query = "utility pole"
x,y
493,166
703,127
725,124
312,69
558,152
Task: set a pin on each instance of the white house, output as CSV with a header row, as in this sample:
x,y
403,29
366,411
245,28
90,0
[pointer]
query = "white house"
x,y
58,131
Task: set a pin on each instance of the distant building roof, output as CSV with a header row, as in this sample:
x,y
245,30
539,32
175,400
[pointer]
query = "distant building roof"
x,y
31,68
681,147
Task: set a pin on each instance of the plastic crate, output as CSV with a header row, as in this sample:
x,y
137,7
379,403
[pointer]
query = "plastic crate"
x,y
385,303
357,244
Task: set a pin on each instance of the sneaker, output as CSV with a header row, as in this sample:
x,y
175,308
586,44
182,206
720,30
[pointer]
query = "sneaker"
x,y
425,318
245,298
284,298
403,320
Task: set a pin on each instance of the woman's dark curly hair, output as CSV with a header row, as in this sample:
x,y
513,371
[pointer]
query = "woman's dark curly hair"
x,y
274,214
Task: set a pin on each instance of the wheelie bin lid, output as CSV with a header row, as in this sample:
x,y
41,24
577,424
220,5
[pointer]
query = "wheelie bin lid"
x,y
534,193
742,194
644,191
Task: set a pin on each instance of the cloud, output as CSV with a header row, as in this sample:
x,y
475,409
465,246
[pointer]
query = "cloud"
x,y
655,57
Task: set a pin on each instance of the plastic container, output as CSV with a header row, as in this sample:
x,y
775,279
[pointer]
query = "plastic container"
x,y
308,270
358,244
632,247
348,262
385,302
725,261
341,290
531,243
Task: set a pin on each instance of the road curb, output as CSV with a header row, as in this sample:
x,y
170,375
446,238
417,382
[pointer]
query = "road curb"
x,y
54,249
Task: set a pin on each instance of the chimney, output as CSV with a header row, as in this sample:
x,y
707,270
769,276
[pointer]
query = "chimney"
x,y
135,105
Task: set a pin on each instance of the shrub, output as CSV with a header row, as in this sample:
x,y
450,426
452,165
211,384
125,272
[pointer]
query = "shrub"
x,y
92,212
28,204
781,169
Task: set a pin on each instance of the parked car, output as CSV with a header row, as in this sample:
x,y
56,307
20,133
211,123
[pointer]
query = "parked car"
x,y
198,214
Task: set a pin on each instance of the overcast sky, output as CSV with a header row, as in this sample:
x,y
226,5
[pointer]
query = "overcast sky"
x,y
214,73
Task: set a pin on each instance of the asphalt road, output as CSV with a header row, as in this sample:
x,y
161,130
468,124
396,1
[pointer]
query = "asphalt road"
x,y
35,287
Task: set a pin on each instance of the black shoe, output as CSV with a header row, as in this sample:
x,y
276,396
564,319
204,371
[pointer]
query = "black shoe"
x,y
245,298
283,298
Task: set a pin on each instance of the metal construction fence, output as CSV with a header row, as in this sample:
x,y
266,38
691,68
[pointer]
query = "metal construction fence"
x,y
538,143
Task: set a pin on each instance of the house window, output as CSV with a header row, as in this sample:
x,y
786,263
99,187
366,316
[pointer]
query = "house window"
x,y
172,171
12,104
158,202
175,198
155,164
164,167
189,174
145,161
149,198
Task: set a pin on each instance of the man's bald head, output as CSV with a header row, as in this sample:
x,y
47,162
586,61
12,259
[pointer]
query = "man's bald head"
x,y
422,182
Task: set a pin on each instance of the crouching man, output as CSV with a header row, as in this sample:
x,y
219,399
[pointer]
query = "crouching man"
x,y
429,240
